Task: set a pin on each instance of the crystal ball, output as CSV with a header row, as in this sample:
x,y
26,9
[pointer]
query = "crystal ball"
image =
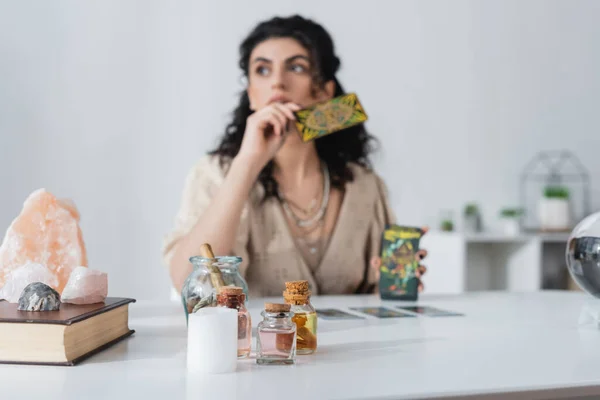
x,y
583,254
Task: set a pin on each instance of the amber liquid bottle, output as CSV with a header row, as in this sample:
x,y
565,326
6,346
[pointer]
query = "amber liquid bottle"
x,y
234,297
297,296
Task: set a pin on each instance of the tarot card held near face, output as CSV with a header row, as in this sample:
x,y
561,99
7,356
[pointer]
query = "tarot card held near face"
x,y
328,117
397,273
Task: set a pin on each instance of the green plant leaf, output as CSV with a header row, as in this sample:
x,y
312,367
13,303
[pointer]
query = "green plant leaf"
x,y
471,209
511,212
556,192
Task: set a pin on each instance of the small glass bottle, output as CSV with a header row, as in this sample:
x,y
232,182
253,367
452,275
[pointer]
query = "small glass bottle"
x,y
297,296
276,337
234,297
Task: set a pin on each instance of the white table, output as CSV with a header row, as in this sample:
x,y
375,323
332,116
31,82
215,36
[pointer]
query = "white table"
x,y
507,342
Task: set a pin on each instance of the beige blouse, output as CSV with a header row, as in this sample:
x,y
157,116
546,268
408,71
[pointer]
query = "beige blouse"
x,y
269,252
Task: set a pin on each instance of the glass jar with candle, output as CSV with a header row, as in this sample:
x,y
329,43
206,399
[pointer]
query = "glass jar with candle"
x,y
276,336
233,297
297,296
209,274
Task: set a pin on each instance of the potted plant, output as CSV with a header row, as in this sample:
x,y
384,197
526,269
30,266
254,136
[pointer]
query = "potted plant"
x,y
511,220
554,210
472,218
447,221
447,225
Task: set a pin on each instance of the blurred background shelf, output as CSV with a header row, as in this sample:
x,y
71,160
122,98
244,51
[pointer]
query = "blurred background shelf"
x,y
489,261
501,238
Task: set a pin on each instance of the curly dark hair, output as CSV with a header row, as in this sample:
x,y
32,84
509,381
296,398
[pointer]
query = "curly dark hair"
x,y
336,151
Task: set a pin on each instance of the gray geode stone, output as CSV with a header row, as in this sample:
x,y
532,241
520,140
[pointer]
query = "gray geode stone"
x,y
38,296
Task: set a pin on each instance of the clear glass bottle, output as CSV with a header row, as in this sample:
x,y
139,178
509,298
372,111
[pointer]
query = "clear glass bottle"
x,y
201,286
276,336
233,297
297,296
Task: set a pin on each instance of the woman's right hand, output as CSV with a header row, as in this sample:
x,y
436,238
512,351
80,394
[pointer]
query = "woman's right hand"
x,y
266,131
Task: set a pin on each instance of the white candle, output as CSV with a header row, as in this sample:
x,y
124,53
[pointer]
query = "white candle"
x,y
212,340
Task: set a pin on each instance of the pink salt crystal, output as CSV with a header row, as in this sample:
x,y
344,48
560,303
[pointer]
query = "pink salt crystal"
x,y
45,232
85,286
19,278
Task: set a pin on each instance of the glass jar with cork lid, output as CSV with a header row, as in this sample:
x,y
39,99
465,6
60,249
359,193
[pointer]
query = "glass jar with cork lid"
x,y
210,273
297,296
234,297
276,336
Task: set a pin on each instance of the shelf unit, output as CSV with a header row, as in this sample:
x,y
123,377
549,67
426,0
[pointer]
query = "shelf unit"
x,y
459,263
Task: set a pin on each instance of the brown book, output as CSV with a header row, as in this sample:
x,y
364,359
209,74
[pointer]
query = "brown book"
x,y
63,337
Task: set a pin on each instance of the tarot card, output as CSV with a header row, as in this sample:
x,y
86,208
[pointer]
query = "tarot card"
x,y
381,312
397,274
328,117
335,314
430,311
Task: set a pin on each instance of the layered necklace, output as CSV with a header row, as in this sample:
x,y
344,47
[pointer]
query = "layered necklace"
x,y
307,224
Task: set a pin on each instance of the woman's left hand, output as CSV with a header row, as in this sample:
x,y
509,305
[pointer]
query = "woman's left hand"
x,y
421,269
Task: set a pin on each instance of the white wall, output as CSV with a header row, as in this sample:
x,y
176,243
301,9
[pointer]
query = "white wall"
x,y
110,103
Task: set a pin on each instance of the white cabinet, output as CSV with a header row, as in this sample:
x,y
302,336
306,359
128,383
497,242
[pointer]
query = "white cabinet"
x,y
460,262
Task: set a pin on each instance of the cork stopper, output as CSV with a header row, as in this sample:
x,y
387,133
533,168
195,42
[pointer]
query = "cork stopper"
x,y
231,290
296,299
296,287
296,292
275,308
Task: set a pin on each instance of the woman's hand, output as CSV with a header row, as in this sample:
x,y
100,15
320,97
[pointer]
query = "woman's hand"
x,y
266,130
419,255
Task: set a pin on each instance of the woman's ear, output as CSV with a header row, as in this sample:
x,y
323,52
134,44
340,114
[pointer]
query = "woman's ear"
x,y
330,88
327,91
